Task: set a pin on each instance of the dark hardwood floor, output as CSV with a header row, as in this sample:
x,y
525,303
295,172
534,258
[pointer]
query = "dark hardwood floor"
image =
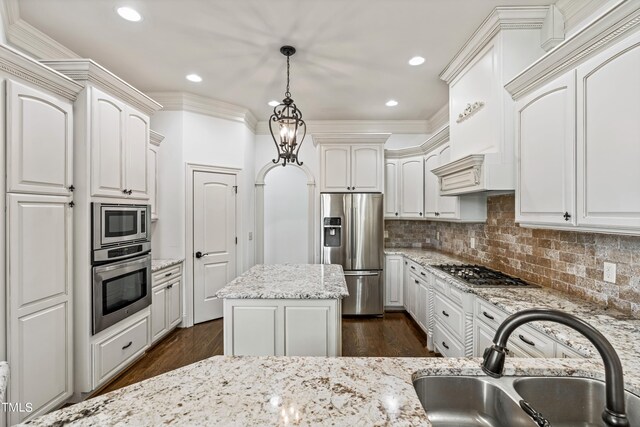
x,y
394,335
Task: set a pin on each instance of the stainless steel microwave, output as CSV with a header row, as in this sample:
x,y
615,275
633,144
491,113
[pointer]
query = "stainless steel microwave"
x,y
118,224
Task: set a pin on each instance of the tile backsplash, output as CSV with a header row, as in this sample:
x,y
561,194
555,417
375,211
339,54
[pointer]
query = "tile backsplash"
x,y
569,261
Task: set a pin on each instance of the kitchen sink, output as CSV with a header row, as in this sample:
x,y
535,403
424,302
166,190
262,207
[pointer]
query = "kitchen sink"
x,y
494,402
567,401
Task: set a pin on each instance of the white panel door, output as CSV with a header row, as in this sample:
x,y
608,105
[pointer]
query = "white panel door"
x,y
391,209
545,144
107,145
393,268
335,165
431,187
608,141
39,330
254,331
39,142
448,206
366,168
136,151
306,331
158,312
152,179
411,188
214,240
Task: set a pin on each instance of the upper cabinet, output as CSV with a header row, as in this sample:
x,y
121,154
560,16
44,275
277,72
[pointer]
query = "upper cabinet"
x,y
391,205
152,172
480,109
119,144
577,130
411,190
351,162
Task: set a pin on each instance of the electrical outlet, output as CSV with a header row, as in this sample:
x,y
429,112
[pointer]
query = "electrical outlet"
x,y
386,234
437,235
609,272
472,242
251,235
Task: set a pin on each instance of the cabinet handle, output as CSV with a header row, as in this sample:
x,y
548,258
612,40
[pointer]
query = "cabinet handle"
x,y
396,213
168,274
348,188
71,204
445,313
566,216
420,213
488,316
170,286
526,341
437,213
412,267
445,345
353,188
422,273
417,282
128,345
129,192
71,188
125,191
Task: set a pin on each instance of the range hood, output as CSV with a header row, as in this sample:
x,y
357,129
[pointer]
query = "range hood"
x,y
474,173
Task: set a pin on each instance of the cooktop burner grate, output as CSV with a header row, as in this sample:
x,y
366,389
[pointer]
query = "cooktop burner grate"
x,y
477,275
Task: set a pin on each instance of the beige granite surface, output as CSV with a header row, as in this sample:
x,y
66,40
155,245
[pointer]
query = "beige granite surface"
x,y
159,264
288,281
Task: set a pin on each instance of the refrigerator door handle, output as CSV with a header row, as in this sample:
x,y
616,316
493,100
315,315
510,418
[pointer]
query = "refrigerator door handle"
x,y
362,273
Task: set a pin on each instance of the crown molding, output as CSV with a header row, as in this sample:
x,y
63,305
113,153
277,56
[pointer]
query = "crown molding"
x,y
17,64
358,126
439,119
502,18
184,101
439,138
350,138
87,71
155,137
622,19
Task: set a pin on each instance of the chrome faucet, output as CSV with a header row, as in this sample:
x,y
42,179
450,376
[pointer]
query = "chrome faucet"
x,y
614,414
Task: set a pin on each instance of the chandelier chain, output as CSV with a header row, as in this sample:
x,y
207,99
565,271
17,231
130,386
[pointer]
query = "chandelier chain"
x,y
287,93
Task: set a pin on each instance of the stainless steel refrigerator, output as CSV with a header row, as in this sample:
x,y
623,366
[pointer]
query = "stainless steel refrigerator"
x,y
353,236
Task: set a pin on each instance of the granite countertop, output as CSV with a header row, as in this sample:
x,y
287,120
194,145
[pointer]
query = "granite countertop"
x,y
288,281
304,391
4,380
159,264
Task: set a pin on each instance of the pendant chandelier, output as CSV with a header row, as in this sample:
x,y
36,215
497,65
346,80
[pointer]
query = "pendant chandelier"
x,y
286,125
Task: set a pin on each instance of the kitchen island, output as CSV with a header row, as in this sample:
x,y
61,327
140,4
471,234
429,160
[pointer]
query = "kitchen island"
x,y
284,310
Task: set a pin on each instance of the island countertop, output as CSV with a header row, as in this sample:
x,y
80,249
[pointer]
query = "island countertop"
x,y
288,281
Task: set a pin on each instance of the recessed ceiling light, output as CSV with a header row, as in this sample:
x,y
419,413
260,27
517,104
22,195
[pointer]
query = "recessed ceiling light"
x,y
274,103
391,103
129,14
416,60
194,78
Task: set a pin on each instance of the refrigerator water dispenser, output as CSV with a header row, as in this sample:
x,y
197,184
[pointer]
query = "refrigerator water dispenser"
x,y
333,232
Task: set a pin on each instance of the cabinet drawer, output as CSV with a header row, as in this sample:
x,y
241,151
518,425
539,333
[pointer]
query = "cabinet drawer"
x,y
445,343
564,352
532,342
489,313
441,286
166,274
118,349
450,315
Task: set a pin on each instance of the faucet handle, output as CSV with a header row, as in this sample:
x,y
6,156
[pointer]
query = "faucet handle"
x,y
535,415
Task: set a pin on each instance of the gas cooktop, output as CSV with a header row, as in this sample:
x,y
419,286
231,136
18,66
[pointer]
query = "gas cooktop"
x,y
476,275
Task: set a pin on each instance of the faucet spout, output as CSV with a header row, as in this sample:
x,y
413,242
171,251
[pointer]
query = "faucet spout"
x,y
614,414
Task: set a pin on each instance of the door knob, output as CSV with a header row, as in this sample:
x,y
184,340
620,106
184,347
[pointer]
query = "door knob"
x,y
198,254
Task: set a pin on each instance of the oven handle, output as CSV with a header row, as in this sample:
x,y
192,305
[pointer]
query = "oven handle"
x,y
124,267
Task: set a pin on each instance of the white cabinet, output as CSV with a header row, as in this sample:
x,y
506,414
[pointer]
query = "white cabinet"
x,y
411,189
422,305
351,167
119,144
545,150
166,301
39,318
391,189
39,142
152,172
393,274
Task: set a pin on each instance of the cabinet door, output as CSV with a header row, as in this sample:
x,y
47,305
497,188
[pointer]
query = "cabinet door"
x,y
306,331
411,189
136,150
405,285
366,168
39,141
39,318
107,145
152,180
174,304
448,206
158,312
431,187
335,168
483,338
391,209
608,151
422,306
413,296
394,266
545,141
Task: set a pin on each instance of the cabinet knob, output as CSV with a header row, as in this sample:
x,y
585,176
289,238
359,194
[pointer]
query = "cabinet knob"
x,y
566,216
71,204
71,188
437,214
348,188
396,213
129,192
353,188
420,213
124,191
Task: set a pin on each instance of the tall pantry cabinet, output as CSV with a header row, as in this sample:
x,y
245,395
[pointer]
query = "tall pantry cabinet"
x,y
38,121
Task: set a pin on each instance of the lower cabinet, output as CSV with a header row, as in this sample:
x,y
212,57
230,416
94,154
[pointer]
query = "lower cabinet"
x,y
166,301
393,283
257,327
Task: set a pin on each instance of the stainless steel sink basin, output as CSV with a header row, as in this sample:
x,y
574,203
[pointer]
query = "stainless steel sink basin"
x,y
566,401
491,402
469,401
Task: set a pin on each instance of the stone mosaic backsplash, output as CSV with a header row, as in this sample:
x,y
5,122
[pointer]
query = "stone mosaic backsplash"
x,y
569,261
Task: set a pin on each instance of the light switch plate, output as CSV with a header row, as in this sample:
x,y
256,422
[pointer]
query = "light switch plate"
x,y
386,234
609,272
472,242
437,235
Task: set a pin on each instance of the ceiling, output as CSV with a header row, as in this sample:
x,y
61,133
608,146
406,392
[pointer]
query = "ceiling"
x,y
352,54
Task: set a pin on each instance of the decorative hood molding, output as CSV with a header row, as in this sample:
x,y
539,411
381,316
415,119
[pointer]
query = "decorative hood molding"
x,y
465,175
87,71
